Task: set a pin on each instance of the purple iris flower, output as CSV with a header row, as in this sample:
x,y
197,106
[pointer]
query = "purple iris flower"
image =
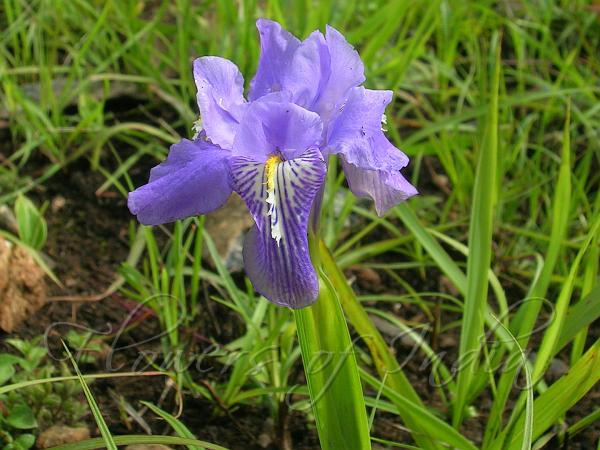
x,y
305,103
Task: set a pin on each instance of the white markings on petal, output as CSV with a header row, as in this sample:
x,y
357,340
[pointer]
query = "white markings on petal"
x,y
272,189
280,195
271,167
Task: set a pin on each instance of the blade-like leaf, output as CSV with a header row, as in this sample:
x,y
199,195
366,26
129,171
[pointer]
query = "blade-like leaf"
x,y
177,426
428,422
331,369
480,245
32,226
97,443
385,362
561,396
102,426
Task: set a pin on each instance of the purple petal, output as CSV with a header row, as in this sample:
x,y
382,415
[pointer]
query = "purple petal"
x,y
346,72
220,98
277,46
276,128
357,133
386,188
276,254
309,70
192,181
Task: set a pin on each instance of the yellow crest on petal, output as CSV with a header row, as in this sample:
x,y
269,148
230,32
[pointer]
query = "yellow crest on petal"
x,y
270,167
270,173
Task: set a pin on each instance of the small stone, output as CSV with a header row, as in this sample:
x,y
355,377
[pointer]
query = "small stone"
x,y
60,435
368,279
227,226
147,447
448,341
264,440
447,286
557,368
8,220
58,203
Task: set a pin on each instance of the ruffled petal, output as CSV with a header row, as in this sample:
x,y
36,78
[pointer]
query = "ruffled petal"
x,y
280,194
346,71
309,70
385,188
220,98
193,180
318,71
276,128
277,47
357,135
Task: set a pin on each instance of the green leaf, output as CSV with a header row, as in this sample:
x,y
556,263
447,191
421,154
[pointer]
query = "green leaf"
x,y
480,248
385,362
523,322
177,426
561,396
331,369
96,443
25,441
21,417
102,426
99,376
429,423
7,370
579,316
30,222
553,332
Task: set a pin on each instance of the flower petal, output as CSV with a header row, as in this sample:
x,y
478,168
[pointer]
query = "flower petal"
x,y
386,188
193,180
277,47
272,128
220,98
280,195
357,133
346,71
321,72
308,71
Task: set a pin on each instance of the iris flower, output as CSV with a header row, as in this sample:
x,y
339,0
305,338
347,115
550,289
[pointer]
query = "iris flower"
x,y
305,103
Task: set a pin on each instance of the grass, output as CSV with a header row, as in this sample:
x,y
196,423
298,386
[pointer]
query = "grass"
x,y
496,103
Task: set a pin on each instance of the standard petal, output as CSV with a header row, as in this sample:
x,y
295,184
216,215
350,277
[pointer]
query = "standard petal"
x,y
308,71
277,47
357,135
346,71
220,98
385,188
272,128
193,180
280,197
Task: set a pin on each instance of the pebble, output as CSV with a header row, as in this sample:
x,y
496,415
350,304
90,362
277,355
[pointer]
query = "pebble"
x,y
60,435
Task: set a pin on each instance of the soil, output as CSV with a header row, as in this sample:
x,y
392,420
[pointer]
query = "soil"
x,y
88,242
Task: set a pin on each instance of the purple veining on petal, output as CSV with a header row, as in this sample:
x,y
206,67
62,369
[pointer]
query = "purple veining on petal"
x,y
281,270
